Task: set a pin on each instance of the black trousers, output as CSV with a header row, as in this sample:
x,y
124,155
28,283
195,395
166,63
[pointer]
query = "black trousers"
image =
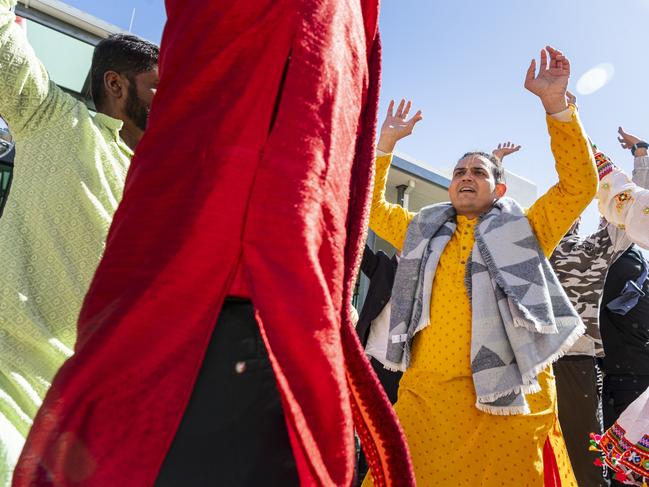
x,y
579,403
233,431
389,379
620,390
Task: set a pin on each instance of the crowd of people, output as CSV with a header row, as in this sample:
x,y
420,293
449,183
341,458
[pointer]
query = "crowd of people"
x,y
165,328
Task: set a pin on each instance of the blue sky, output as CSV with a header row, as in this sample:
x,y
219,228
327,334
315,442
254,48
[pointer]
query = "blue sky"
x,y
149,14
463,64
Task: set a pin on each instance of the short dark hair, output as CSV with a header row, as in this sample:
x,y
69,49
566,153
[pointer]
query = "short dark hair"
x,y
498,170
125,54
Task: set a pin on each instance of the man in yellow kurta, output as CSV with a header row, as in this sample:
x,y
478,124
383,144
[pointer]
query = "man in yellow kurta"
x,y
452,443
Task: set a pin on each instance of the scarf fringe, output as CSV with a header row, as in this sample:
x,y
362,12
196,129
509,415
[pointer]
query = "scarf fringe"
x,y
393,366
531,384
503,411
535,327
565,347
529,388
547,329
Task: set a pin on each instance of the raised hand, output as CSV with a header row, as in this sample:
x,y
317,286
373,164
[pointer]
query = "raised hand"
x,y
551,82
505,149
627,140
397,125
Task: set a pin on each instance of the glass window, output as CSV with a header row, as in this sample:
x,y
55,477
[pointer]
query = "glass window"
x,y
66,59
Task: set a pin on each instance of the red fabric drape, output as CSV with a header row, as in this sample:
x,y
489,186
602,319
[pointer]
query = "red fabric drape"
x,y
257,162
551,475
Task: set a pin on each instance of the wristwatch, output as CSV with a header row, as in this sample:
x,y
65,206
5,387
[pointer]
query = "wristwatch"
x,y
639,145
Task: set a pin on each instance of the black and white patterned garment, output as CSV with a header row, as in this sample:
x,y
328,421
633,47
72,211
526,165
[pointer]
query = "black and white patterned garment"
x,y
581,264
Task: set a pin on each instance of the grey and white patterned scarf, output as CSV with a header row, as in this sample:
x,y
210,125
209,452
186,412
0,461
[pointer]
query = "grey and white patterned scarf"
x,y
522,320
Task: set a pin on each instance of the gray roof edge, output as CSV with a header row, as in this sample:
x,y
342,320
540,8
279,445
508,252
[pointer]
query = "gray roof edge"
x,y
420,172
67,19
433,177
522,178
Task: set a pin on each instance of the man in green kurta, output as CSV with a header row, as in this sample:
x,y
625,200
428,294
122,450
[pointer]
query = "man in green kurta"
x,y
69,173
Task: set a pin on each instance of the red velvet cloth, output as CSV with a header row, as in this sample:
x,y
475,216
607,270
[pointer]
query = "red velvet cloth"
x,y
257,162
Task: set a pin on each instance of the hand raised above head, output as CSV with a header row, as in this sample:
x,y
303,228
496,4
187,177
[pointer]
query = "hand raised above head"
x,y
505,149
397,125
627,140
551,82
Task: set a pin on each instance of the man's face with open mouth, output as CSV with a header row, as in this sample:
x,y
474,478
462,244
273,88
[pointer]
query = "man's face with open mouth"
x,y
473,188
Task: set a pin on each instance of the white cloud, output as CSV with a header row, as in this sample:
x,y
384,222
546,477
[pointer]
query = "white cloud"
x,y
595,79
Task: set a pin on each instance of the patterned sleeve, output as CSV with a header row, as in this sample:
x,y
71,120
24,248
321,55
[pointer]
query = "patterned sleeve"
x,y
553,214
28,99
387,220
626,204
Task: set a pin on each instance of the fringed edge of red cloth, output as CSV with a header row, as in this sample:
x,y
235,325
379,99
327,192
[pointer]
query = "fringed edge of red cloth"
x,y
374,418
376,423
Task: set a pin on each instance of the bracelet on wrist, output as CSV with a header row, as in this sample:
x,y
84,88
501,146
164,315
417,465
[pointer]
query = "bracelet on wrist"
x,y
639,145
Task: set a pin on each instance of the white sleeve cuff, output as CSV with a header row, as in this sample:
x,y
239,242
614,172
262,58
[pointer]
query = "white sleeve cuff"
x,y
563,116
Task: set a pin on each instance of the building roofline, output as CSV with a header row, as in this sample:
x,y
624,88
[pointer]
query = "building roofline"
x,y
420,172
522,178
416,169
66,19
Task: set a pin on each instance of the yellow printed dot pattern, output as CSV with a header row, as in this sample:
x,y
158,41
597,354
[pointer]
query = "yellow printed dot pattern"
x,y
451,442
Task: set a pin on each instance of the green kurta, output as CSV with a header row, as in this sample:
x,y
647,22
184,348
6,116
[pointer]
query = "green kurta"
x,y
69,173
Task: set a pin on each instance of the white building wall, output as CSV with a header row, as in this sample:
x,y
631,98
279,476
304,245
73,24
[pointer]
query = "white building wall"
x,y
521,189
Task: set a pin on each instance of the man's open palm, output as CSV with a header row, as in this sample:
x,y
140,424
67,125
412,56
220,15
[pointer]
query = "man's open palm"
x,y
505,149
551,82
397,125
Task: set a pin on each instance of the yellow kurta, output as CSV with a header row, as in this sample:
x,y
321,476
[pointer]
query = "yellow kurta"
x,y
451,442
